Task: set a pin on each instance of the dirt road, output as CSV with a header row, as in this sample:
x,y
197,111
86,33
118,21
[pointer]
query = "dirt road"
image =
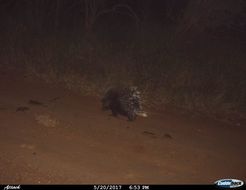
x,y
51,135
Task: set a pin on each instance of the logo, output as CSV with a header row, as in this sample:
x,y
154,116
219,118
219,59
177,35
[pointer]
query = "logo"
x,y
229,183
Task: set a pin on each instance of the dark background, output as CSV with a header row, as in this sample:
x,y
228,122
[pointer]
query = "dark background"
x,y
182,53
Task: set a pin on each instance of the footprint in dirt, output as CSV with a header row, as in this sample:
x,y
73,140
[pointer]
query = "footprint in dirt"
x,y
54,99
149,134
38,103
35,103
167,136
22,108
153,135
31,102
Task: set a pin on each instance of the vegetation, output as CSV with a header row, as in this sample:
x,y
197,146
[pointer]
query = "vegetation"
x,y
189,55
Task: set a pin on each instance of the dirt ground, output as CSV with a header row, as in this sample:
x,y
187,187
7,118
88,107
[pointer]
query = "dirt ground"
x,y
50,135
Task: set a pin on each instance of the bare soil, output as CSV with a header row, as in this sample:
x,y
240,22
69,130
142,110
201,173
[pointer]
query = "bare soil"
x,y
50,135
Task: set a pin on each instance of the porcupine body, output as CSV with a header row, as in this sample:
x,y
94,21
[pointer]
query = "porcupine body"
x,y
125,101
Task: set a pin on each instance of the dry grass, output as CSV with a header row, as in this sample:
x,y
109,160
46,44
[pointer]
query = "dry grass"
x,y
205,81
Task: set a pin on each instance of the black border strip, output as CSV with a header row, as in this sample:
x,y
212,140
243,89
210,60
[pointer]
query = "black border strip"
x,y
114,187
